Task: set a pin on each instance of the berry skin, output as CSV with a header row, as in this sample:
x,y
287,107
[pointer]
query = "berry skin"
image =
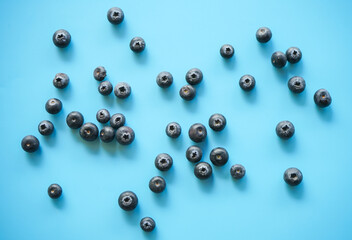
x,y
128,200
45,128
293,55
74,120
194,154
237,171
89,131
227,51
107,134
285,129
293,176
61,80
53,106
99,73
137,44
187,92
30,143
54,191
157,184
278,59
105,88
61,38
147,224
322,98
263,35
296,84
164,79
122,90
194,76
163,162
219,156
217,122
103,116
173,130
125,135
197,132
247,82
203,170
115,15
117,120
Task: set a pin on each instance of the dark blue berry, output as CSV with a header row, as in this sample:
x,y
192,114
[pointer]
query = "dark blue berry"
x,y
103,116
99,73
322,98
187,92
278,59
197,132
137,44
105,88
53,106
194,76
227,51
203,170
173,130
164,79
237,171
163,162
247,82
107,134
194,154
54,191
117,120
89,131
61,80
45,127
263,35
293,176
30,143
219,156
61,38
285,129
296,84
122,90
217,122
74,120
115,15
157,184
128,200
147,224
125,135
293,55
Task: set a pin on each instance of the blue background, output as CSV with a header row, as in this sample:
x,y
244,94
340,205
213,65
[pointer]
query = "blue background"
x,y
179,35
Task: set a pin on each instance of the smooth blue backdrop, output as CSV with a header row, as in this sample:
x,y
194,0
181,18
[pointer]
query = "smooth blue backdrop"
x,y
179,35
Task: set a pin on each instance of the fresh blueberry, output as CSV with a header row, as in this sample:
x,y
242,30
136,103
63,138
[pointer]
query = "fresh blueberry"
x,y
103,116
203,170
197,132
293,176
61,38
285,129
115,15
99,73
163,162
296,84
227,51
53,106
219,156
61,80
187,92
247,82
54,191
117,120
105,88
157,184
89,131
194,154
237,171
147,224
30,143
164,79
293,55
128,200
125,135
194,76
107,134
263,35
74,120
322,98
137,44
122,90
217,122
278,59
45,127
173,130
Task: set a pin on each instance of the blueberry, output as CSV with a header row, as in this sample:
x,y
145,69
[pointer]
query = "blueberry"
x,y
163,162
54,191
247,82
115,15
105,88
53,106
278,59
99,73
117,120
128,200
164,79
217,122
30,143
137,44
219,156
293,55
45,127
61,80
197,132
293,176
107,134
296,84
61,38
194,76
322,98
173,130
285,129
147,224
122,90
125,135
237,171
103,116
157,184
187,92
227,51
74,120
263,35
194,154
203,170
89,131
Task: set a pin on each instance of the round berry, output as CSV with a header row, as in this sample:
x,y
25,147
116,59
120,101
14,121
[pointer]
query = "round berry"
x,y
322,98
296,84
125,135
99,73
45,127
247,82
163,162
219,156
203,170
187,92
293,55
74,120
197,132
61,80
53,106
137,44
107,134
278,59
227,51
54,191
194,154
61,38
263,35
115,15
285,129
237,171
122,90
89,131
173,130
128,200
147,224
194,76
217,122
293,176
117,120
105,88
164,79
103,116
30,143
157,184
